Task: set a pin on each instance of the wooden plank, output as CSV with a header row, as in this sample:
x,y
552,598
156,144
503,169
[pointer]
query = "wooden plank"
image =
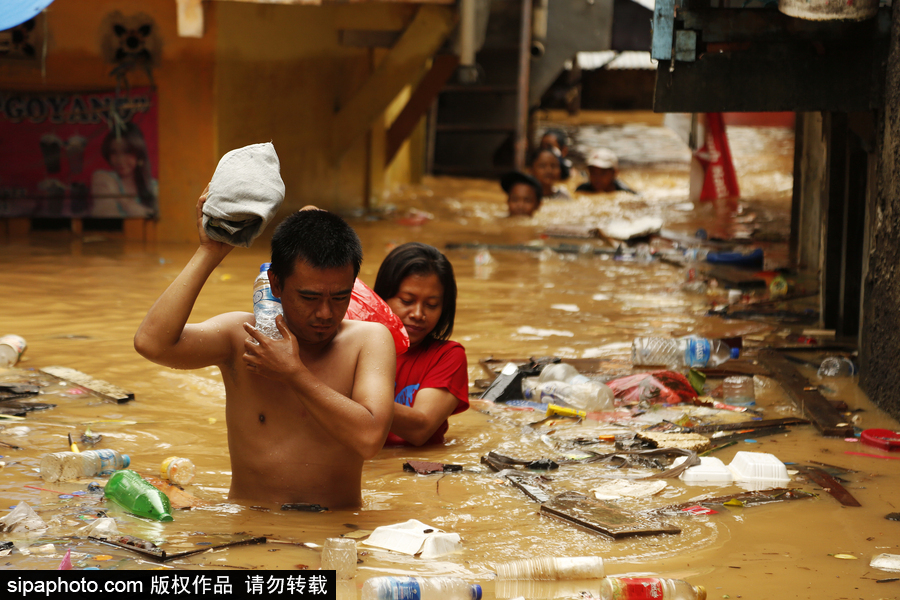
x,y
443,66
98,386
603,517
804,396
747,425
423,37
829,484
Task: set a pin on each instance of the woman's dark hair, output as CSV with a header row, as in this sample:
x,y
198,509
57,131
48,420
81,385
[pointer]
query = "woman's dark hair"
x,y
318,237
561,138
414,258
134,144
538,151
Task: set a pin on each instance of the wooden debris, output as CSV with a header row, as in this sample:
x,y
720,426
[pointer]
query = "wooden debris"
x,y
685,441
98,386
530,485
746,498
747,425
150,550
304,507
813,404
829,484
602,517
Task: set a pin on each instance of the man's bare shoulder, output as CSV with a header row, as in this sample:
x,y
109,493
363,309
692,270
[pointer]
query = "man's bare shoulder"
x,y
364,330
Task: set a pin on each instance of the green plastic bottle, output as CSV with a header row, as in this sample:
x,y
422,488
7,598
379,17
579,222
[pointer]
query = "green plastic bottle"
x,y
137,495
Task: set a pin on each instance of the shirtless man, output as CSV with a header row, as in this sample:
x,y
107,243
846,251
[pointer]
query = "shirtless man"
x,y
303,412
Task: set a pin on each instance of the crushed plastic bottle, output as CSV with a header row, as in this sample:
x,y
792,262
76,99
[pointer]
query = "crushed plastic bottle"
x,y
11,349
562,383
681,352
66,466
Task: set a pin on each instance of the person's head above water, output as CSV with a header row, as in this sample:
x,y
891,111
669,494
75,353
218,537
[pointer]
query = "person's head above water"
x,y
603,166
523,193
545,167
417,282
555,138
321,239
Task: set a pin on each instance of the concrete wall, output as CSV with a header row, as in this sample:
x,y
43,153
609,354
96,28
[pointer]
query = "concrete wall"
x,y
879,339
184,81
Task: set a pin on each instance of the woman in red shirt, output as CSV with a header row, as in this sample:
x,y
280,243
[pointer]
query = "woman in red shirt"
x,y
432,381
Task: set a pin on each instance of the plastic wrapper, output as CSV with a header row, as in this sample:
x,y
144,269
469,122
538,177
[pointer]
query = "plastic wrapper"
x,y
22,519
366,305
659,387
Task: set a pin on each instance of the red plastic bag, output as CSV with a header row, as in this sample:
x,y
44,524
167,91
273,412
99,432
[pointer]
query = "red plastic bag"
x,y
720,179
659,387
366,305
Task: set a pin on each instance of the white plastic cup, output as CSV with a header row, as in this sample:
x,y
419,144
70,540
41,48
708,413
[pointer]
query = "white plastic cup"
x,y
339,554
738,389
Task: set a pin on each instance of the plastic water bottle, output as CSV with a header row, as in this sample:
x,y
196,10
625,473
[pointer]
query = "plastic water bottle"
x,y
552,568
11,349
682,352
420,588
66,466
649,588
561,382
137,495
177,470
837,366
265,306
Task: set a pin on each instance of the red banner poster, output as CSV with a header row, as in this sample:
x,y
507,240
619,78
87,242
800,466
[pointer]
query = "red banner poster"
x,y
78,154
719,179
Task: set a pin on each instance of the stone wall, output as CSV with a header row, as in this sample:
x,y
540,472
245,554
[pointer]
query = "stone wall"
x,y
880,329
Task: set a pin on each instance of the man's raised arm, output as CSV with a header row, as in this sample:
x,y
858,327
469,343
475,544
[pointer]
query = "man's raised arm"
x,y
164,336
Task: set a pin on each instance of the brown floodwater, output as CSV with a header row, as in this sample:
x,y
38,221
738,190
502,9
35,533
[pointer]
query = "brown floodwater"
x,y
78,302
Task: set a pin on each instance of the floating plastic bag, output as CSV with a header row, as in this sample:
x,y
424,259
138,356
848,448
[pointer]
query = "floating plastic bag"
x,y
102,528
366,305
22,519
66,563
659,387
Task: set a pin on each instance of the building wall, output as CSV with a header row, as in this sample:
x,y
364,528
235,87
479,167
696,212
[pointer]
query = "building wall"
x,y
184,82
879,341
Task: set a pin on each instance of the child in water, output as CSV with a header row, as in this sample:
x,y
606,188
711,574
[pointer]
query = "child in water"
x,y
557,138
523,193
432,381
545,167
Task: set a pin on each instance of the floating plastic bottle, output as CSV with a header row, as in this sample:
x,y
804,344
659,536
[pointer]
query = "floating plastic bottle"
x,y
265,306
649,588
420,588
137,495
561,382
837,366
66,466
552,568
177,470
682,352
11,349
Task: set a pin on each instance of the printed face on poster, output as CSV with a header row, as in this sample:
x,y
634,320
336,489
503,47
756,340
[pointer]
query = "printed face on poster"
x,y
78,154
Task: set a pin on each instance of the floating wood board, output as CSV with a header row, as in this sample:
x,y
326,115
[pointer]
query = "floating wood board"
x,y
747,425
529,486
603,517
829,484
805,397
98,386
747,498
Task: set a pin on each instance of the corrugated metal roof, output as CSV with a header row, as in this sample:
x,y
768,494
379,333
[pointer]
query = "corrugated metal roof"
x,y
612,60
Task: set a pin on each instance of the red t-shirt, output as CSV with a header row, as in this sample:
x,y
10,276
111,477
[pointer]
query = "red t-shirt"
x,y
440,365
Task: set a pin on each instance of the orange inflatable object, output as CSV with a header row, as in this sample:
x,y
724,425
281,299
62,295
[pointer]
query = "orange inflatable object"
x,y
366,305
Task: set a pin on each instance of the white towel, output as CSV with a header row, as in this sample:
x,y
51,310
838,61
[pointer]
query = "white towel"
x,y
244,194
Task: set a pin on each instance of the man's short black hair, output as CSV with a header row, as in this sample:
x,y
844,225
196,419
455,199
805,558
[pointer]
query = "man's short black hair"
x,y
318,237
513,177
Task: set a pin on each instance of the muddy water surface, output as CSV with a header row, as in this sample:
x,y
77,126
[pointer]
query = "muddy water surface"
x,y
79,301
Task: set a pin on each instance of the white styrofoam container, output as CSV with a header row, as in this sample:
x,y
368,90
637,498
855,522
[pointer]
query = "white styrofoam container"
x,y
759,469
710,470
